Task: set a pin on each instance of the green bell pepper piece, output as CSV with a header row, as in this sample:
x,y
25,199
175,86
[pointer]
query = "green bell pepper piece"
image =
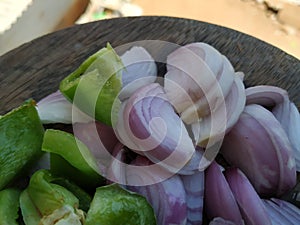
x,y
21,136
114,205
95,85
9,206
77,155
43,201
29,211
83,197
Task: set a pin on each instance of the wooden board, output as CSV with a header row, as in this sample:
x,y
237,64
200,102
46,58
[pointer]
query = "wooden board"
x,y
36,68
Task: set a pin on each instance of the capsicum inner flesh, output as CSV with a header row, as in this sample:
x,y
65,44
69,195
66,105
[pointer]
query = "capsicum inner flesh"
x,y
45,203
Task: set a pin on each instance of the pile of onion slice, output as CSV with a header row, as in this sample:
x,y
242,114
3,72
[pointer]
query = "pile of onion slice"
x,y
282,212
205,90
55,108
178,128
277,101
259,146
149,126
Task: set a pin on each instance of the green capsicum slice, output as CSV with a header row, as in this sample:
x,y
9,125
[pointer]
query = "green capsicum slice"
x,y
21,136
9,206
83,197
81,166
46,203
114,205
95,85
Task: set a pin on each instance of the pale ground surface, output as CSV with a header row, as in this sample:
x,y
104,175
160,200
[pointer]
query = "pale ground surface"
x,y
247,16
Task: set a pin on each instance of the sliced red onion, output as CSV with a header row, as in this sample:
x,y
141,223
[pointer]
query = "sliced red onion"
x,y
193,165
167,198
194,189
210,131
277,215
265,95
282,113
251,206
288,116
143,172
217,63
289,209
140,69
203,107
116,172
277,100
140,172
99,138
198,80
234,104
120,130
274,217
219,199
259,146
221,221
55,108
209,54
153,129
182,81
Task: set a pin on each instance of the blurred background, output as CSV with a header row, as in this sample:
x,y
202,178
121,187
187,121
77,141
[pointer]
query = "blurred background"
x,y
274,21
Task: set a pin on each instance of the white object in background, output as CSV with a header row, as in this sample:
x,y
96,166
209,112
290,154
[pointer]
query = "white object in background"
x,y
125,7
129,9
41,17
10,10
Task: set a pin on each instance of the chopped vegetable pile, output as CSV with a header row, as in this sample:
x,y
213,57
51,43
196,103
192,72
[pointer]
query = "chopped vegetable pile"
x,y
196,148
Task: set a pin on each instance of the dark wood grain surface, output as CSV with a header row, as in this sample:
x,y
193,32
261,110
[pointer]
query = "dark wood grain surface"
x,y
36,68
